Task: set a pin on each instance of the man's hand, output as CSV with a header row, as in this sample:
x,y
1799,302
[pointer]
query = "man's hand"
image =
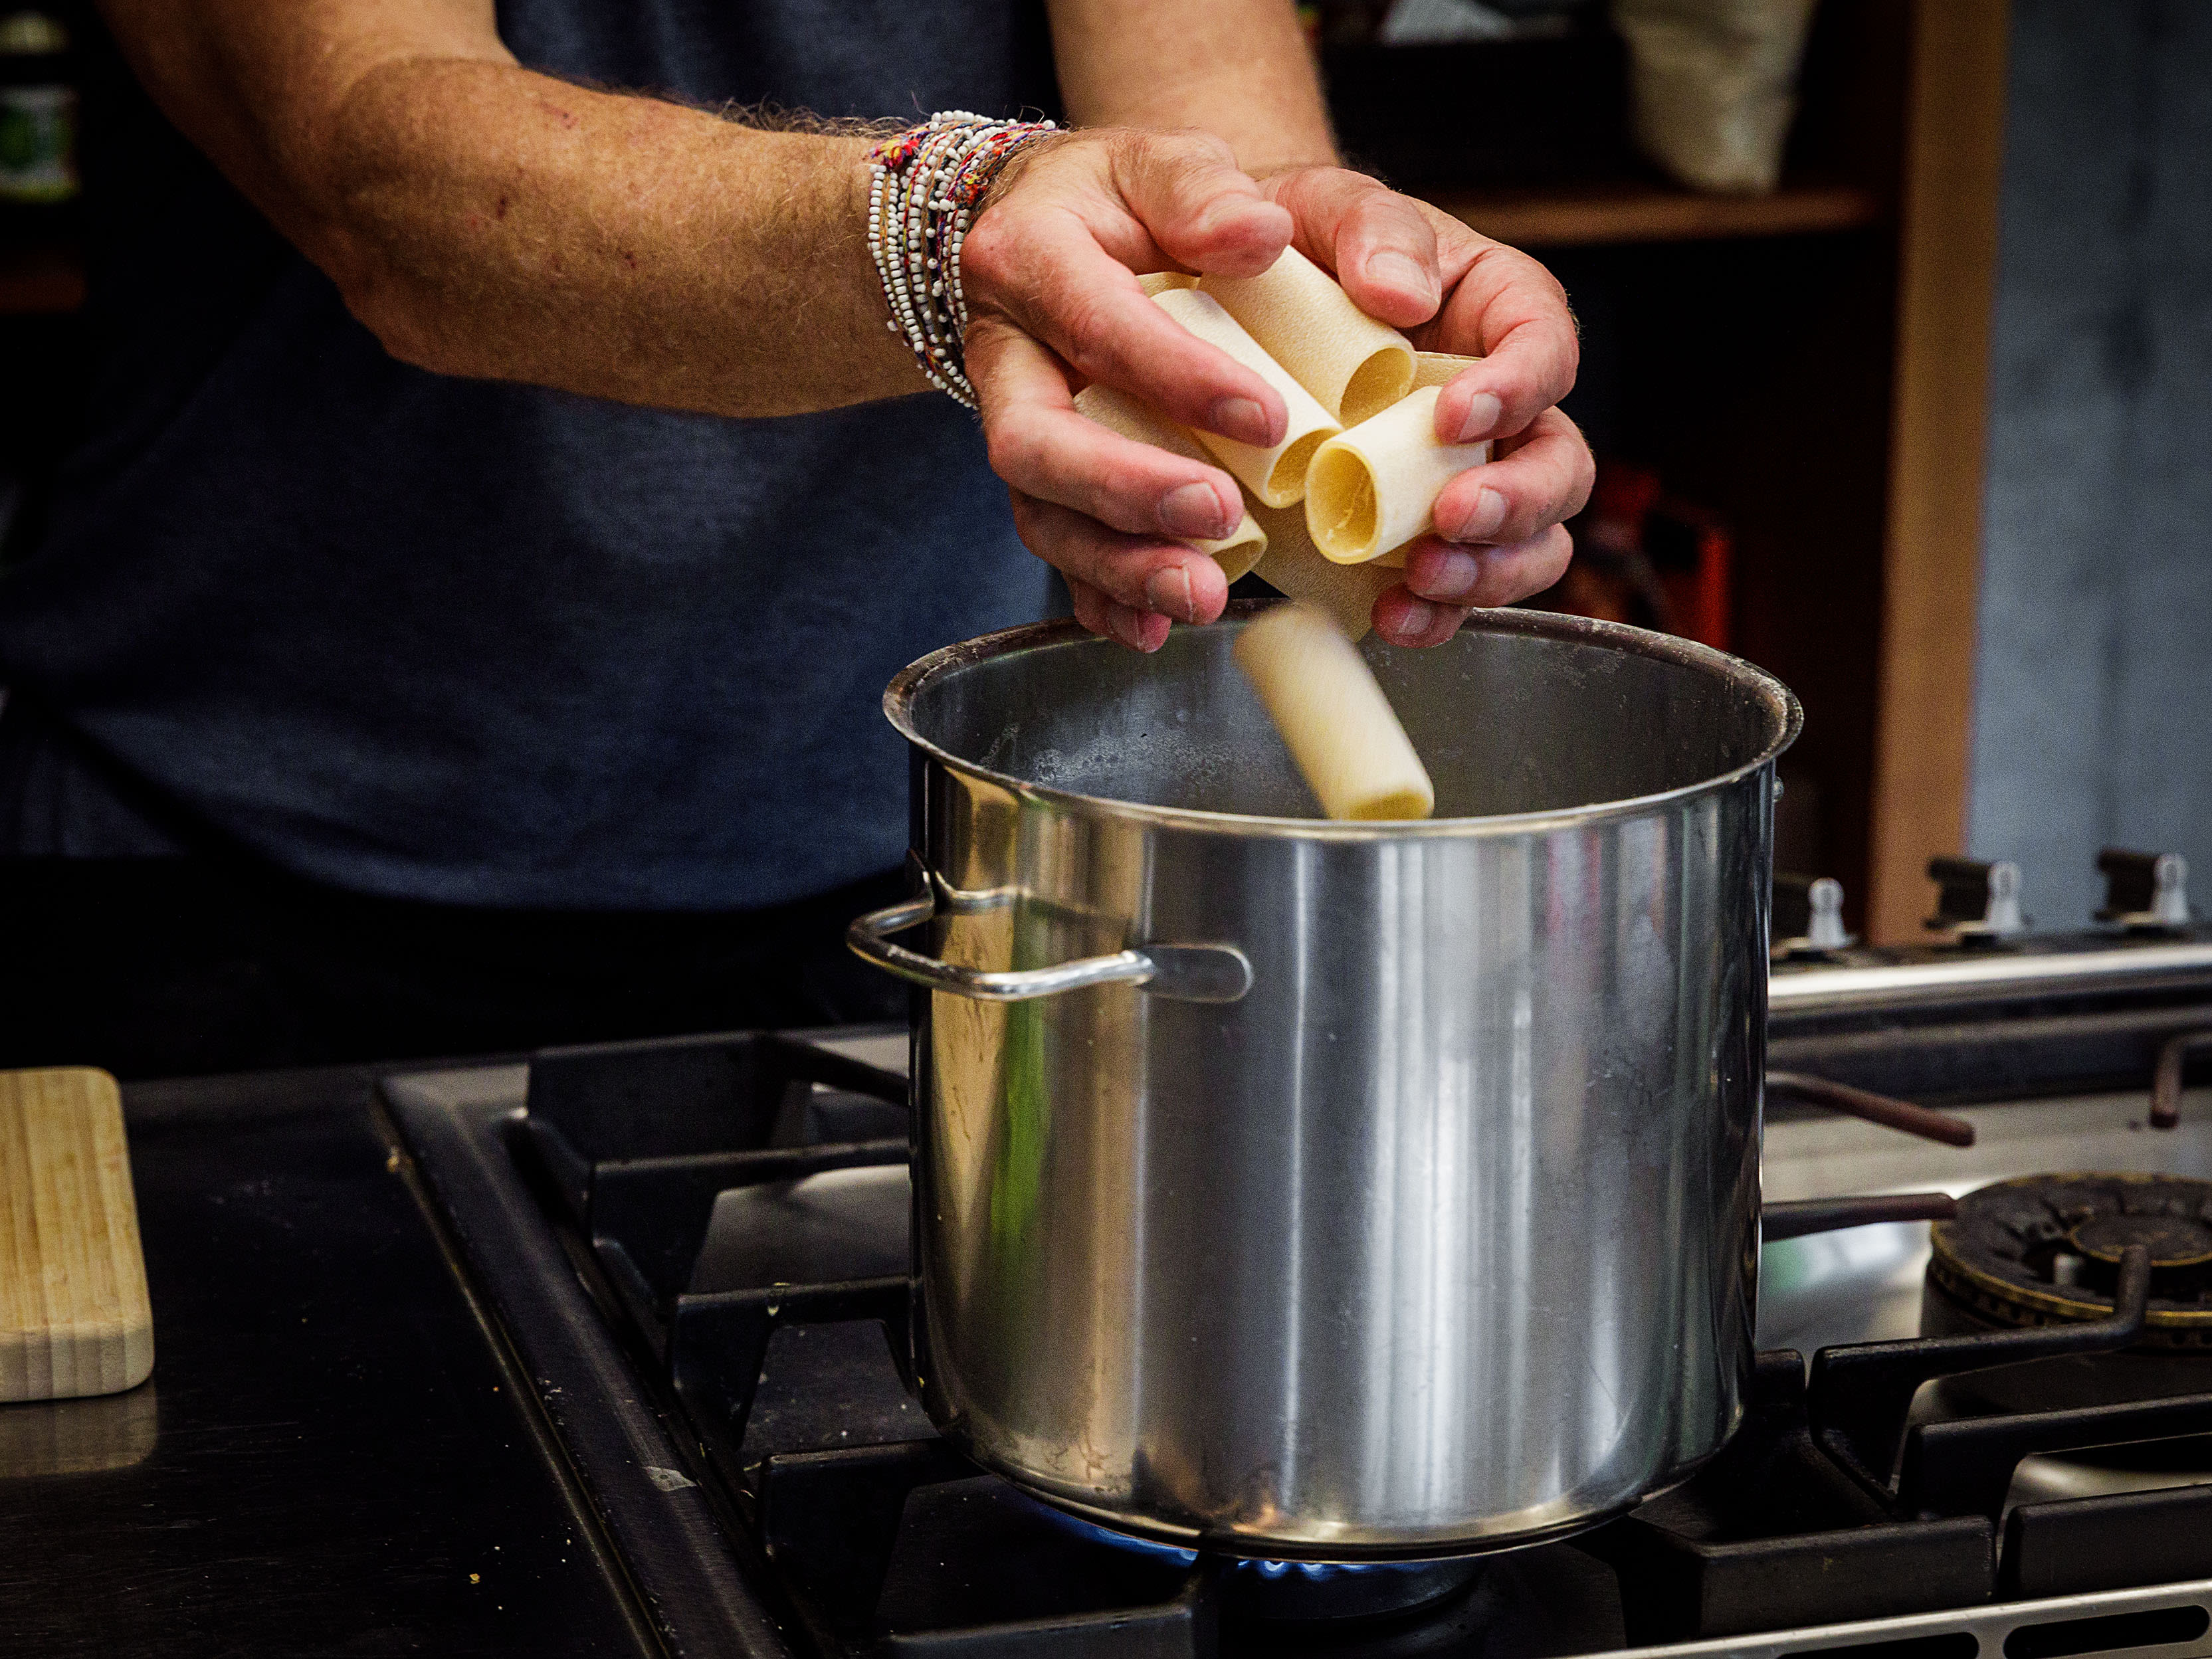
x,y
1049,272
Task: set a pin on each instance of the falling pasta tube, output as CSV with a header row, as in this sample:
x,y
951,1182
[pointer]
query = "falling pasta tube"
x,y
1354,365
1277,473
1292,565
1339,728
1117,411
1375,487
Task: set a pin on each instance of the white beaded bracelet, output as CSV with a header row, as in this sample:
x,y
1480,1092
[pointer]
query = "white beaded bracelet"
x,y
925,184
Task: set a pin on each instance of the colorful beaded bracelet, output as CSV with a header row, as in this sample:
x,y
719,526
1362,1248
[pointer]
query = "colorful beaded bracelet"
x,y
925,185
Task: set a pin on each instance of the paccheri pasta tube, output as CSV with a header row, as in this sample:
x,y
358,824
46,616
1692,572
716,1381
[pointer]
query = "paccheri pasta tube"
x,y
1117,411
1294,566
1339,728
1159,282
1435,367
1430,368
1276,475
1375,487
1354,365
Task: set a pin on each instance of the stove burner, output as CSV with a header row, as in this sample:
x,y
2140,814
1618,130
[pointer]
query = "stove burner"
x,y
2174,1241
1302,1591
2045,1250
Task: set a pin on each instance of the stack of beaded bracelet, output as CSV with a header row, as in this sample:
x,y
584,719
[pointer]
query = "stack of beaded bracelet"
x,y
927,182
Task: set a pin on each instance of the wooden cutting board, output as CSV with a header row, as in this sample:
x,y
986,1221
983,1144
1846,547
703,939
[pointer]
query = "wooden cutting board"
x,y
73,1317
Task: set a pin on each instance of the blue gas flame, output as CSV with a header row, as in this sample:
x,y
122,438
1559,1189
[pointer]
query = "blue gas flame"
x,y
1181,1557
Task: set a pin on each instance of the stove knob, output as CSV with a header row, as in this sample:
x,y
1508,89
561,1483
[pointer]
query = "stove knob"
x,y
1976,902
1809,915
1824,928
2147,892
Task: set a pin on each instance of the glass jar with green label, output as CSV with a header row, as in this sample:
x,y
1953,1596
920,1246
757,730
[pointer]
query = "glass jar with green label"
x,y
37,112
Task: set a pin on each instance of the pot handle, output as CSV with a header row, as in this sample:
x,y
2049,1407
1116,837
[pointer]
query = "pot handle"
x,y
1797,1218
1181,973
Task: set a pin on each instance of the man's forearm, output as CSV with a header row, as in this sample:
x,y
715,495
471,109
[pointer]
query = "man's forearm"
x,y
485,220
1237,68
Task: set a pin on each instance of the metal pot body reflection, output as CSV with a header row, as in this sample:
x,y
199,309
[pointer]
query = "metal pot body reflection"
x,y
1332,1191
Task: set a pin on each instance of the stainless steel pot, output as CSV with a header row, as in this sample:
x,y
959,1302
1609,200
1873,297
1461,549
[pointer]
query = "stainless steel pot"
x,y
1336,1191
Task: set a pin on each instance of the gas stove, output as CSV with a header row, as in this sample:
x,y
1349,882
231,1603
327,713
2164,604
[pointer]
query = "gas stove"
x,y
697,1250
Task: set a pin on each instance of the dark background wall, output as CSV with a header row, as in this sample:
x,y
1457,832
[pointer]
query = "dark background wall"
x,y
2093,694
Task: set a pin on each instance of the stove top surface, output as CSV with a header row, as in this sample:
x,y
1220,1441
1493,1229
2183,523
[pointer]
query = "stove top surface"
x,y
698,1249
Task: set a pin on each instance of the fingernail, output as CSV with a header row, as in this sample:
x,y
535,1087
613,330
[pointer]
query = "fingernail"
x,y
1242,419
1132,624
1223,211
1402,272
1167,591
1127,625
1416,619
1483,413
1194,509
1488,514
1456,572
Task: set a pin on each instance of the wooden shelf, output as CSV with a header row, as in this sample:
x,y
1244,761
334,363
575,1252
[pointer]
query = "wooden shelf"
x,y
40,282
1640,211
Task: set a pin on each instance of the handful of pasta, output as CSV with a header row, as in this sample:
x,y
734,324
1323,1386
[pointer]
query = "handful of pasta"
x,y
1331,508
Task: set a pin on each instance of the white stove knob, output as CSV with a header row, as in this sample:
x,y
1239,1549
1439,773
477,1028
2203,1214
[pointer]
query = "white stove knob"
x,y
2003,918
2146,893
1824,929
2169,895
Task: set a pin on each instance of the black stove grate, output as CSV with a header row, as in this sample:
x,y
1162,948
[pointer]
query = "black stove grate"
x,y
1828,1506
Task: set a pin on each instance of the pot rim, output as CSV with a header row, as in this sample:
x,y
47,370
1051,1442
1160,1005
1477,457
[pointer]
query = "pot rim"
x,y
906,684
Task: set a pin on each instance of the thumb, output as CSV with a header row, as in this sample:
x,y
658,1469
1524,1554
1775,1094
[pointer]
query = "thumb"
x,y
1202,210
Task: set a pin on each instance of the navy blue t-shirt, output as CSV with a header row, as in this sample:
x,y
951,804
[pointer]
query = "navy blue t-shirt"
x,y
490,644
